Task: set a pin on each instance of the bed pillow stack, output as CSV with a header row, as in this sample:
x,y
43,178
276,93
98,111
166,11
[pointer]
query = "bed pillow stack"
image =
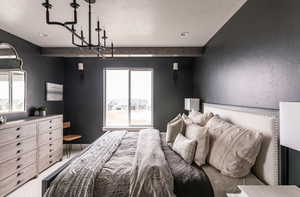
x,y
177,141
233,149
194,132
200,118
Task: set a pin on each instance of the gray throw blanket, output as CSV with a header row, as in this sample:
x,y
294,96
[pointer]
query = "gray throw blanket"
x,y
150,175
118,164
79,177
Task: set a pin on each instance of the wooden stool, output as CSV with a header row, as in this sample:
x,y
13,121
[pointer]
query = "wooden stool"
x,y
70,138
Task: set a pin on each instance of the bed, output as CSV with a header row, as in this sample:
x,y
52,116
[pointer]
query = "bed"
x,y
190,180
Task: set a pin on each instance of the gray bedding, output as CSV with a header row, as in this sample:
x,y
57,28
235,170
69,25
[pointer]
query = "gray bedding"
x,y
78,179
112,179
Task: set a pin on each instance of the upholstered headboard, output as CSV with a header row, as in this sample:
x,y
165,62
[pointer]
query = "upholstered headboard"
x,y
267,164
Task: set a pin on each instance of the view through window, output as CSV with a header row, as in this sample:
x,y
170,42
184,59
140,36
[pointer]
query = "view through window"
x,y
12,91
128,97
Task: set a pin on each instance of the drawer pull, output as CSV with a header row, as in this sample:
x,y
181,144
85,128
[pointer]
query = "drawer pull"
x,y
19,174
50,133
50,161
50,156
19,166
50,144
18,144
50,121
19,158
18,136
50,138
18,182
50,127
50,150
19,151
18,129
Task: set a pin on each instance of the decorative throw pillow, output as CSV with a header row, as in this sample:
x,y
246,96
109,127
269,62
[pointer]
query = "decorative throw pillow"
x,y
185,148
233,149
201,136
216,127
174,127
186,120
200,118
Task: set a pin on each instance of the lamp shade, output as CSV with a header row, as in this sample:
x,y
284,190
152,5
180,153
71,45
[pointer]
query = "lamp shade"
x,y
289,125
191,104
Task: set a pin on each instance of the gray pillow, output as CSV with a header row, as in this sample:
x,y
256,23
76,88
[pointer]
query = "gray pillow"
x,y
174,127
185,148
200,118
233,149
201,136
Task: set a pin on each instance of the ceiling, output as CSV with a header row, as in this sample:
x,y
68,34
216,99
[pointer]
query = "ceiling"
x,y
131,23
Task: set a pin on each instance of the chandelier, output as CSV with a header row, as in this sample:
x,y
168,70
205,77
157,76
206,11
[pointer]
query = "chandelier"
x,y
98,48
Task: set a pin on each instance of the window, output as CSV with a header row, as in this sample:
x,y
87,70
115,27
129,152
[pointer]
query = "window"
x,y
128,97
12,91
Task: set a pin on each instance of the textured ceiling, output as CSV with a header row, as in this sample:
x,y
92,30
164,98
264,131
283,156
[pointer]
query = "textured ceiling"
x,y
139,23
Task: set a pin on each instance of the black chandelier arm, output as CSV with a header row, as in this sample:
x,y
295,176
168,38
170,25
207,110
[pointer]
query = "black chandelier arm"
x,y
90,23
74,34
112,49
74,43
48,6
98,49
74,5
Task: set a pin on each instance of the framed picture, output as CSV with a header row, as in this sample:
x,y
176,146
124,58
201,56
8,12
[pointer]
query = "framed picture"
x,y
54,92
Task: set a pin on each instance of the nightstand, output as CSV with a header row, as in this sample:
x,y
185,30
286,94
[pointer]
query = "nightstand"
x,y
267,191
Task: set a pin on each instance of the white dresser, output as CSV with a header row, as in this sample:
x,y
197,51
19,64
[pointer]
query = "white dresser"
x,y
27,147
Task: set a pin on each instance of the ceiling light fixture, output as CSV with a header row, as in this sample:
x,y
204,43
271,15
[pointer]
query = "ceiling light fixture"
x,y
184,34
98,48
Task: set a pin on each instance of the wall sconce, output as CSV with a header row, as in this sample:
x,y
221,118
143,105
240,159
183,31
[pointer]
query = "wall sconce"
x,y
81,70
175,71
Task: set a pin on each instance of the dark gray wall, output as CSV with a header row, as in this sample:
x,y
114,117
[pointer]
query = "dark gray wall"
x,y
254,61
39,70
84,98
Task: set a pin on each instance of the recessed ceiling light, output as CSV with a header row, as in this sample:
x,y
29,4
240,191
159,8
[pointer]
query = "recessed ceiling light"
x,y
43,35
184,34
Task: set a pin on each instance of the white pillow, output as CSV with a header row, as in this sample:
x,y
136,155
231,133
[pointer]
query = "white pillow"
x,y
201,136
233,149
185,148
174,127
199,118
186,119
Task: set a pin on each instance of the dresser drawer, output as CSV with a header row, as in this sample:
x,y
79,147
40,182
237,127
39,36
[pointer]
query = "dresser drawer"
x,y
50,159
50,147
15,133
49,125
17,148
17,179
50,136
9,167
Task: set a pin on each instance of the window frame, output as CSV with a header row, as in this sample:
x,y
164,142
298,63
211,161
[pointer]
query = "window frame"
x,y
10,74
129,126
